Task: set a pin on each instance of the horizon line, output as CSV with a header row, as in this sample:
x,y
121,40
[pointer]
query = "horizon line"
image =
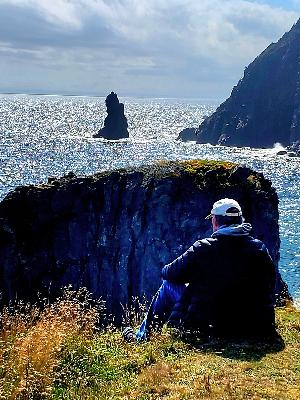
x,y
11,93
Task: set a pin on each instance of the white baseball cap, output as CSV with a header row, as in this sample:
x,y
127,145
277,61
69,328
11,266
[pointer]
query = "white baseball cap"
x,y
220,207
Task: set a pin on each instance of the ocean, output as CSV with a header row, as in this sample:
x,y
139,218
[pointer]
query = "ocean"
x,y
42,136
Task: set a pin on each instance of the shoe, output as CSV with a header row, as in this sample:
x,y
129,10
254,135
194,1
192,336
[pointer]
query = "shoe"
x,y
129,335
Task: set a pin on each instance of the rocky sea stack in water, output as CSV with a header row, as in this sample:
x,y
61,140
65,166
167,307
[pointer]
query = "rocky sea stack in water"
x,y
264,108
115,124
112,232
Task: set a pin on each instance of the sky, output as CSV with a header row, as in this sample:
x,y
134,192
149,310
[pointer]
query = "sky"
x,y
144,48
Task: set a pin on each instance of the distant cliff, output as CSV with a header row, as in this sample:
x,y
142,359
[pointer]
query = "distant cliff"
x,y
112,232
264,107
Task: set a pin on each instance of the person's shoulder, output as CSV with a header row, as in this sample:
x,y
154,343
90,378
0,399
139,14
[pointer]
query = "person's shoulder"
x,y
209,241
258,244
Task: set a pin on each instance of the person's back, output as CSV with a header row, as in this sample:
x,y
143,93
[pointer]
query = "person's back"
x,y
231,289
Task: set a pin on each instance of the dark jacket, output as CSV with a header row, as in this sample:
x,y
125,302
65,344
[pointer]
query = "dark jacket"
x,y
231,288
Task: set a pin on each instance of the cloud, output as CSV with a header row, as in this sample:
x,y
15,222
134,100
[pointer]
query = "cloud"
x,y
58,12
161,41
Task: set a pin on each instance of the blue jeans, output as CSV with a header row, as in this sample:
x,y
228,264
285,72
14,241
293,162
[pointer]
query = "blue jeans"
x,y
160,308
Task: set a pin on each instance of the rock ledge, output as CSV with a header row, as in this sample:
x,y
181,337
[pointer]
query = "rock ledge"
x,y
112,232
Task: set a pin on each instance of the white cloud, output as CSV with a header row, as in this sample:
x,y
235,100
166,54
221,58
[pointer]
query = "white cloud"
x,y
210,28
58,12
183,40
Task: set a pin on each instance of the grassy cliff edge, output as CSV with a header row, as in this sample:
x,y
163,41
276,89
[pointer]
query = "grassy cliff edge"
x,y
57,354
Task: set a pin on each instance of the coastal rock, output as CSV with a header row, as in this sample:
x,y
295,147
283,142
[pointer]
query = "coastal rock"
x,y
281,153
295,148
264,107
113,232
188,134
115,124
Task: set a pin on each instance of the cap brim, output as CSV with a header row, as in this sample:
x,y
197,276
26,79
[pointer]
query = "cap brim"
x,y
209,216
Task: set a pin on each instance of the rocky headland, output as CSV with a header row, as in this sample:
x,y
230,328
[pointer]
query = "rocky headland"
x,y
115,124
112,232
264,107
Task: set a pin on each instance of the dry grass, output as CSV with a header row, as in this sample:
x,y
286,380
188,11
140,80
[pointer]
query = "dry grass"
x,y
57,354
31,339
134,312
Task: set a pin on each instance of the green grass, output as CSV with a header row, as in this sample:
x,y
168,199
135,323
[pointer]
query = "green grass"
x,y
166,367
59,356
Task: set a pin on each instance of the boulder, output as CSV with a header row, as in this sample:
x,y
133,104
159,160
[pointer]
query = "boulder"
x,y
264,107
113,232
115,124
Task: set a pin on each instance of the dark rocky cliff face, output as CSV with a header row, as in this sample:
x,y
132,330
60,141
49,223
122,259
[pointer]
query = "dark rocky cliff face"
x,y
264,108
113,232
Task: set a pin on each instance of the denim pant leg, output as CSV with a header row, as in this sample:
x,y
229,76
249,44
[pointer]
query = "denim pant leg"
x,y
160,308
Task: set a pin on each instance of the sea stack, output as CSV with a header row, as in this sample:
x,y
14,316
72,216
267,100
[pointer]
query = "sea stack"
x,y
115,124
264,107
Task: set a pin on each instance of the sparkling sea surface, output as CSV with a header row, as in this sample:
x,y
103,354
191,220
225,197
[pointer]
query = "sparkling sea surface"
x,y
42,136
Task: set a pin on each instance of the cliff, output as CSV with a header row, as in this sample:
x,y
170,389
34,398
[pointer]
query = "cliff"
x,y
112,232
264,107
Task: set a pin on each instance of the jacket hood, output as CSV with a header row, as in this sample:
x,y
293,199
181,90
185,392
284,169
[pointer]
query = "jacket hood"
x,y
243,229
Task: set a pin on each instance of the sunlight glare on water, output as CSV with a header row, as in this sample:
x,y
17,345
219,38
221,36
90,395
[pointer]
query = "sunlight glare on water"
x,y
42,136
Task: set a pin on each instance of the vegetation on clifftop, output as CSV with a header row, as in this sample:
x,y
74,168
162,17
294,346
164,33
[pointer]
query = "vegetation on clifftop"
x,y
210,172
194,166
57,353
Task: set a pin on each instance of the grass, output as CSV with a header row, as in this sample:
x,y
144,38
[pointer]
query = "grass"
x,y
57,353
194,166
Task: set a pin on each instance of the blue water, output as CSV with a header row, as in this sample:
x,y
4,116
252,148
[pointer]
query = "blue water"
x,y
43,136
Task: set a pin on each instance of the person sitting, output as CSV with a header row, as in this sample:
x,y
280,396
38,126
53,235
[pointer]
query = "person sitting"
x,y
222,286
